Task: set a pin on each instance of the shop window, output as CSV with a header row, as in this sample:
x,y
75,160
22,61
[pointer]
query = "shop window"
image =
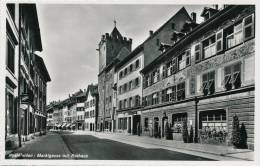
x,y
209,47
208,83
181,91
232,76
214,119
177,121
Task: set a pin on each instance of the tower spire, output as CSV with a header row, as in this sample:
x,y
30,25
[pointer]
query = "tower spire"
x,y
115,22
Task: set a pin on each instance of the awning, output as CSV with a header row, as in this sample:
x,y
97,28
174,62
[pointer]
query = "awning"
x,y
58,125
68,125
73,125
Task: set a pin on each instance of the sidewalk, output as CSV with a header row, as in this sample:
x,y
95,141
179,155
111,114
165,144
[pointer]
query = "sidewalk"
x,y
204,150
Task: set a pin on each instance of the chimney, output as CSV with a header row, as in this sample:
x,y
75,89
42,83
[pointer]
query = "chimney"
x,y
150,32
215,7
194,17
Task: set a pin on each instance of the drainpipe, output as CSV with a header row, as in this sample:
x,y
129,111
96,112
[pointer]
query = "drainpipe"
x,y
19,79
196,120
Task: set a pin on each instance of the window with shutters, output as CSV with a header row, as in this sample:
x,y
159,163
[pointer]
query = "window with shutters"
x,y
234,35
197,53
249,27
181,91
209,47
208,83
232,76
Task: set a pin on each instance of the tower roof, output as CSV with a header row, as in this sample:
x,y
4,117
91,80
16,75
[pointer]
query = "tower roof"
x,y
115,33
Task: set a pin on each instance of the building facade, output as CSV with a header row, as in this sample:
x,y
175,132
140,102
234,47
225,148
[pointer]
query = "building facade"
x,y
26,76
129,92
205,78
11,79
91,108
111,48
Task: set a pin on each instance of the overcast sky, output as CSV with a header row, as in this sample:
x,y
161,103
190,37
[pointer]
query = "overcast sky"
x,y
71,33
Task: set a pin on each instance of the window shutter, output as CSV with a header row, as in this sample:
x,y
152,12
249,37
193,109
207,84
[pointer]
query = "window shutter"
x,y
164,72
249,27
219,36
174,65
197,52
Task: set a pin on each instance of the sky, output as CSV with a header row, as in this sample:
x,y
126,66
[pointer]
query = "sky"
x,y
71,32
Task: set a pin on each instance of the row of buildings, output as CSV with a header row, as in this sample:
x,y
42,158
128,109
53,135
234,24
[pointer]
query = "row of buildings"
x,y
77,112
202,74
26,76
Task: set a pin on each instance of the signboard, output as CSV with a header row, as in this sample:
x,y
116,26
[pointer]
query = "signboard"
x,y
25,99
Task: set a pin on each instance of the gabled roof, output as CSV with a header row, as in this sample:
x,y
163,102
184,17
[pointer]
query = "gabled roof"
x,y
182,10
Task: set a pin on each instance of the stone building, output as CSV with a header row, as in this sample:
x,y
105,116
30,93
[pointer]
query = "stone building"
x,y
91,108
112,47
205,78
